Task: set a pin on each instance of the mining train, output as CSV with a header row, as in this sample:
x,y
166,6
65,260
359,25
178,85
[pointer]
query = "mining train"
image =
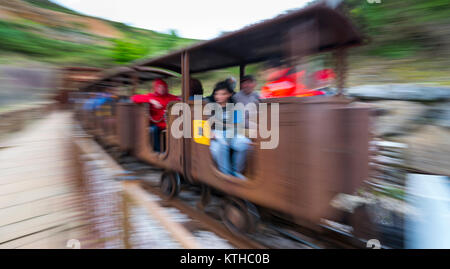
x,y
323,145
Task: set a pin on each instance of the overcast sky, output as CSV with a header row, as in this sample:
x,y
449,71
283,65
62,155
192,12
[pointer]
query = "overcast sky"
x,y
201,19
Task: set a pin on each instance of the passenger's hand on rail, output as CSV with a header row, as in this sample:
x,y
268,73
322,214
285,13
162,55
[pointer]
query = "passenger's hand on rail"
x,y
156,104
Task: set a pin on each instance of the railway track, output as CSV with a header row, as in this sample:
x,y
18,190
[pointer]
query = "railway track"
x,y
208,218
268,234
206,221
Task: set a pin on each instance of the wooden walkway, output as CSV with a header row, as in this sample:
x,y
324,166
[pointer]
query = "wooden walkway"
x,y
40,199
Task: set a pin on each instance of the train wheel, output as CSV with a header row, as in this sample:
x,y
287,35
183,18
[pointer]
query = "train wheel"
x,y
239,216
205,198
170,184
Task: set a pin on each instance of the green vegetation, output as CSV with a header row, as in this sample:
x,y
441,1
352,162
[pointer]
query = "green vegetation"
x,y
403,29
73,44
140,43
125,51
408,41
17,39
391,192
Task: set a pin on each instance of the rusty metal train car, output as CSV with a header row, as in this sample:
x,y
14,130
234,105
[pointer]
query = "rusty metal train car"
x,y
323,140
71,79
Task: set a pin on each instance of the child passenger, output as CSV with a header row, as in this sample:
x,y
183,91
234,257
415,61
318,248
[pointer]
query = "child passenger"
x,y
225,136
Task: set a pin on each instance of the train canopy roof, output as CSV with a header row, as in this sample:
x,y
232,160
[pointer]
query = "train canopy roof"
x,y
266,40
125,76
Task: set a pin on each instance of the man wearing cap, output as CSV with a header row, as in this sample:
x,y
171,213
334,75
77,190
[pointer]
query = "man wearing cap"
x,y
158,101
247,95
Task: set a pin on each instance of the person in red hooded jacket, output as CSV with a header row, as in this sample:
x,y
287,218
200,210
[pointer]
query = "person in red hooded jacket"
x,y
158,100
285,82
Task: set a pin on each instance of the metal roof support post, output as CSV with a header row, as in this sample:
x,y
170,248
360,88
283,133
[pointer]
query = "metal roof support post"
x,y
341,69
185,75
241,72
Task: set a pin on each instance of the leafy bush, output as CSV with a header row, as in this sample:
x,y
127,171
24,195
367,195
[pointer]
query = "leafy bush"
x,y
126,50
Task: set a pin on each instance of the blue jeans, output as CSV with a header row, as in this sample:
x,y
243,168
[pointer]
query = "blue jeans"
x,y
155,131
220,150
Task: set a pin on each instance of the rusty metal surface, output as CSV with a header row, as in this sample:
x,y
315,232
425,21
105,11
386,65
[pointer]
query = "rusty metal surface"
x,y
71,79
262,41
125,126
323,150
106,120
126,223
266,235
126,76
170,159
341,68
323,147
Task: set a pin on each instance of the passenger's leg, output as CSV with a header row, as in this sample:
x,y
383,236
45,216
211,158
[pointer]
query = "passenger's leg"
x,y
155,132
220,151
240,146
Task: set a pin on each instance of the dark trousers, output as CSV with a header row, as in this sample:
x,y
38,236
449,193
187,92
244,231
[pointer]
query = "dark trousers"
x,y
155,131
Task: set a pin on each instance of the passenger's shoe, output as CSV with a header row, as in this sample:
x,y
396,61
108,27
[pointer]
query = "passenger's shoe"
x,y
239,175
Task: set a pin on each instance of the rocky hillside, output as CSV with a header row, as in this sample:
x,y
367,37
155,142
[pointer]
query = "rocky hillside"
x,y
412,129
46,32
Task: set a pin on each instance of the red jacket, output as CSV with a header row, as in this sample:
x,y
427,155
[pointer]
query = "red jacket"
x,y
285,83
157,115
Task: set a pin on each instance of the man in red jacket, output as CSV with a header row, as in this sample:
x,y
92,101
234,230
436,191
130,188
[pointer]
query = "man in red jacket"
x,y
285,82
158,101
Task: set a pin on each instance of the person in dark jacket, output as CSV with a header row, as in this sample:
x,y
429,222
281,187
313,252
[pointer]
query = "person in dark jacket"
x,y
195,87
